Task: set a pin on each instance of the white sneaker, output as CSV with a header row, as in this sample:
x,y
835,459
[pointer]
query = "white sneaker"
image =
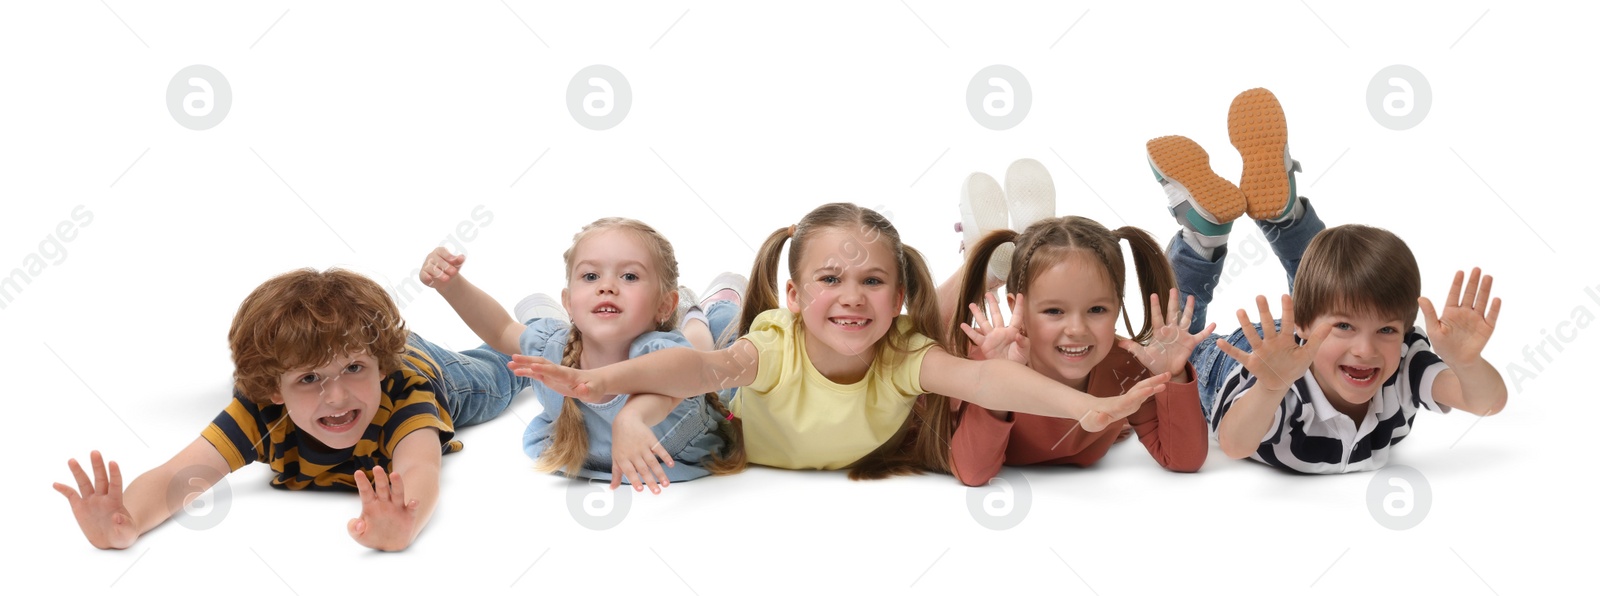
x,y
983,210
1030,193
728,286
540,306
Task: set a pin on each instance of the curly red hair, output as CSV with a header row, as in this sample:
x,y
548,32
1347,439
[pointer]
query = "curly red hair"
x,y
304,319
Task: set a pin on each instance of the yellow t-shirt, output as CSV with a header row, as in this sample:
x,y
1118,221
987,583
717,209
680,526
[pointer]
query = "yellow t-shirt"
x,y
796,418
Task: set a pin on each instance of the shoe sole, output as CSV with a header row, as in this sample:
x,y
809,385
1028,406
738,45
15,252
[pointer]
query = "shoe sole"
x,y
1257,127
983,210
1030,193
1183,161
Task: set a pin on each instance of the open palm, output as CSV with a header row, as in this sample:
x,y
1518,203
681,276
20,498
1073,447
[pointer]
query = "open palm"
x,y
98,505
1170,345
1275,358
992,338
1463,329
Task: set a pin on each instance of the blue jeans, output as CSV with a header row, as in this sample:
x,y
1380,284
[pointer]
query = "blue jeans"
x,y
1198,277
477,385
723,318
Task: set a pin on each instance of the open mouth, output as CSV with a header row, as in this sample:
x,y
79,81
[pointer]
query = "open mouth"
x,y
1357,375
1074,351
340,422
607,309
850,323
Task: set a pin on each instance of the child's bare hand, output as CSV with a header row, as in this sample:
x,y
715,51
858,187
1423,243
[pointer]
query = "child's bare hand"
x,y
1275,358
440,267
568,381
638,454
1460,334
104,519
1107,411
1171,343
387,520
990,341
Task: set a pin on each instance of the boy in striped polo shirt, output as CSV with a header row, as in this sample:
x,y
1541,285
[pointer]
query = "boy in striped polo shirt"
x,y
1334,392
329,388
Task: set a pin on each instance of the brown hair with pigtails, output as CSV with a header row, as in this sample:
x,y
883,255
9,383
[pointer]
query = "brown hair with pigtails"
x,y
924,442
569,446
1051,241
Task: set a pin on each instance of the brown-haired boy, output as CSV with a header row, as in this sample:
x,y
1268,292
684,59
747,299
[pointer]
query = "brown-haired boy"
x,y
1335,392
328,388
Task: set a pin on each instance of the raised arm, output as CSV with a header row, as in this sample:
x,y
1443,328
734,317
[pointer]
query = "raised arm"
x,y
1276,360
676,372
442,272
113,518
1459,335
1006,385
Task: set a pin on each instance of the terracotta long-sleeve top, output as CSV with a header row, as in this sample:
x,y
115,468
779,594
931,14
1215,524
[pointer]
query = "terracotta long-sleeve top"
x,y
1169,424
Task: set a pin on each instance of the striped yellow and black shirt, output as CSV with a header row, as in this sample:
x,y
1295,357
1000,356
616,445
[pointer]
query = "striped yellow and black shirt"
x,y
246,432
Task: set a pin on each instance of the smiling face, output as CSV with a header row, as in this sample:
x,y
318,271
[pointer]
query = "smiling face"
x,y
847,292
614,293
1360,354
1071,319
335,402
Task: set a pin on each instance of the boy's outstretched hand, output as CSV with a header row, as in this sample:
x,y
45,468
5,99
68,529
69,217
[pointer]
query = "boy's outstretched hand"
x,y
388,520
1170,343
104,519
1111,410
1461,331
440,267
1275,358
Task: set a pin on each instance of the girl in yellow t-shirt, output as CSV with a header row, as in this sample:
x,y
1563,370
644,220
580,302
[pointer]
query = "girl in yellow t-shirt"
x,y
832,381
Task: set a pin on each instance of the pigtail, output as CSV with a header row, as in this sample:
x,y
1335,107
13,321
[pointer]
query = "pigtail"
x,y
1155,276
569,447
735,459
763,292
922,301
893,458
931,444
974,281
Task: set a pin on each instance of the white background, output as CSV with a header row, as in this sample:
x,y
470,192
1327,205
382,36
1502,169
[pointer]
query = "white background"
x,y
361,134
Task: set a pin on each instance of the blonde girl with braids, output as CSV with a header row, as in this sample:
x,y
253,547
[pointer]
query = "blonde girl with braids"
x,y
622,280
831,381
1066,294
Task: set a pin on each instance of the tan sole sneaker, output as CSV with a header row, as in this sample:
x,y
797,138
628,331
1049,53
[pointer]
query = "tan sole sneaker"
x,y
1198,197
1257,127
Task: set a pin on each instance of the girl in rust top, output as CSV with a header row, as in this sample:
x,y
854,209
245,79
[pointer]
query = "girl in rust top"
x,y
1065,289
